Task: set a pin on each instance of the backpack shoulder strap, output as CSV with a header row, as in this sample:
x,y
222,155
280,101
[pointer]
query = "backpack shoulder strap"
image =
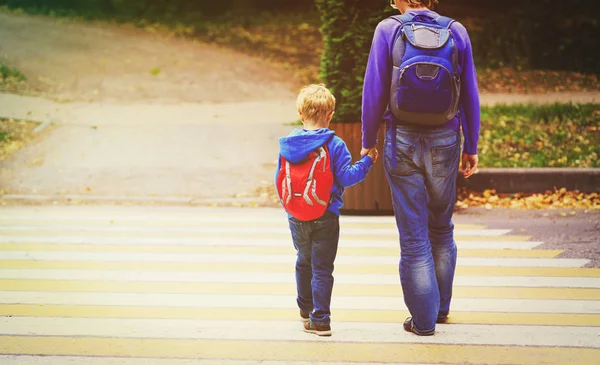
x,y
403,18
444,21
399,47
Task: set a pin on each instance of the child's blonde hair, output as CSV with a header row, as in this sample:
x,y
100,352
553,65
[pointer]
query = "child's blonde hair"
x,y
316,103
418,3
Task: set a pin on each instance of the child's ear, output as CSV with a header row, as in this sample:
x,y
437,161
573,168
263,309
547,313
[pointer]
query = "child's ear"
x,y
300,115
330,116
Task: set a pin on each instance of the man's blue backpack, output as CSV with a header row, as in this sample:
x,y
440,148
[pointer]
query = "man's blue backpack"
x,y
425,79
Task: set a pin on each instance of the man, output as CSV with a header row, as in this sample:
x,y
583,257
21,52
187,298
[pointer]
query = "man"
x,y
421,80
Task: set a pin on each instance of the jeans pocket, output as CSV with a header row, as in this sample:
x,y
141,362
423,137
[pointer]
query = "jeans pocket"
x,y
299,233
327,227
444,159
399,162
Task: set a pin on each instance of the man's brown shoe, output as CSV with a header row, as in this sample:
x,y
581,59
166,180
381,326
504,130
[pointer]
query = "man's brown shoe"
x,y
304,315
317,329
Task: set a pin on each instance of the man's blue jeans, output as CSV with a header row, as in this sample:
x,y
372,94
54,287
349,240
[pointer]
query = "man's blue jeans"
x,y
421,166
316,243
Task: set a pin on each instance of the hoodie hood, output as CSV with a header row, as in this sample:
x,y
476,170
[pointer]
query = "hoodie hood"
x,y
300,143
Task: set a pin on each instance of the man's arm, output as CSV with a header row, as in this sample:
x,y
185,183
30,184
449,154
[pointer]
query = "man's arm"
x,y
376,87
470,105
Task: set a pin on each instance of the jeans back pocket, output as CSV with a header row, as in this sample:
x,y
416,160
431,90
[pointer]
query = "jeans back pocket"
x,y
399,161
445,159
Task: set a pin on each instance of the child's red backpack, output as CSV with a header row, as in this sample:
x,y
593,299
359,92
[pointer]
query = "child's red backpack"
x,y
305,188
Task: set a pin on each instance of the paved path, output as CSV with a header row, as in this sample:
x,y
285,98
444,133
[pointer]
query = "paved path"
x,y
146,150
133,285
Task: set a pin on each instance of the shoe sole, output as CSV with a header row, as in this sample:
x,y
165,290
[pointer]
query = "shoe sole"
x,y
411,329
318,333
423,334
304,320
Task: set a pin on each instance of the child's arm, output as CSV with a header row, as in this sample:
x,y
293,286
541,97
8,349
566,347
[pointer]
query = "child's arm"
x,y
346,173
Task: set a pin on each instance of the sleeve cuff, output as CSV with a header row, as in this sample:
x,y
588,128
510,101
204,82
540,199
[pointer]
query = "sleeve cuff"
x,y
369,144
470,150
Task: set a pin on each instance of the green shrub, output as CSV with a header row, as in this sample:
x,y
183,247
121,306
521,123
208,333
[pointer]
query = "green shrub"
x,y
540,34
348,28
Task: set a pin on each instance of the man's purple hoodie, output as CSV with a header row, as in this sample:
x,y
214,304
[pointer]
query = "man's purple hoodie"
x,y
376,90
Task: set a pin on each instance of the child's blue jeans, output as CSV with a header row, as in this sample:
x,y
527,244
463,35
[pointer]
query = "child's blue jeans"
x,y
421,167
316,243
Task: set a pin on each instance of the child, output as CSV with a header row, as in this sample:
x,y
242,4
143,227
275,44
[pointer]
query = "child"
x,y
314,168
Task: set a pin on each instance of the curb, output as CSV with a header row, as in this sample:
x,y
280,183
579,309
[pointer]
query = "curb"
x,y
533,180
185,200
41,127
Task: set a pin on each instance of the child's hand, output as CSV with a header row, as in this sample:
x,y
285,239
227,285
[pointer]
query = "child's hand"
x,y
373,154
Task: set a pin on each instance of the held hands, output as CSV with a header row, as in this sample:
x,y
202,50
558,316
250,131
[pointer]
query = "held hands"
x,y
371,152
469,164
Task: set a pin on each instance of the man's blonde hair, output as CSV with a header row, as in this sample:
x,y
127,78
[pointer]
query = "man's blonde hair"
x,y
418,3
316,103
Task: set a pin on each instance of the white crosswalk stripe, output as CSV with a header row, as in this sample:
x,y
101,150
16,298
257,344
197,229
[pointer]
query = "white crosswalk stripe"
x,y
179,286
249,241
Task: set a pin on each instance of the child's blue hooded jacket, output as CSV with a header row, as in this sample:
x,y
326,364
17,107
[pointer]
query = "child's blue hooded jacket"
x,y
301,142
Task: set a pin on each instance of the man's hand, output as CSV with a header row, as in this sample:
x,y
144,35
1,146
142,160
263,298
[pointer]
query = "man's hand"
x,y
469,164
373,154
365,151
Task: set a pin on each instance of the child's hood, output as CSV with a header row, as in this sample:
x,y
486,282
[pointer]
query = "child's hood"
x,y
300,143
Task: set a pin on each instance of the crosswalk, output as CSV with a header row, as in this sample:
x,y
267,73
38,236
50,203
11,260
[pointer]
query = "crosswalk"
x,y
174,286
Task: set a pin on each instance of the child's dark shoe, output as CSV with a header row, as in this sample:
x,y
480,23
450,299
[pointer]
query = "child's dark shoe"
x,y
409,326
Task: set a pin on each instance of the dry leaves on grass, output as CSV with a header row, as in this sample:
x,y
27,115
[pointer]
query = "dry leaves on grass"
x,y
269,193
507,80
11,79
489,199
14,134
557,199
299,48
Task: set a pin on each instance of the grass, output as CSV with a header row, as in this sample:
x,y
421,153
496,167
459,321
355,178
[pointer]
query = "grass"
x,y
10,74
559,135
11,79
14,134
